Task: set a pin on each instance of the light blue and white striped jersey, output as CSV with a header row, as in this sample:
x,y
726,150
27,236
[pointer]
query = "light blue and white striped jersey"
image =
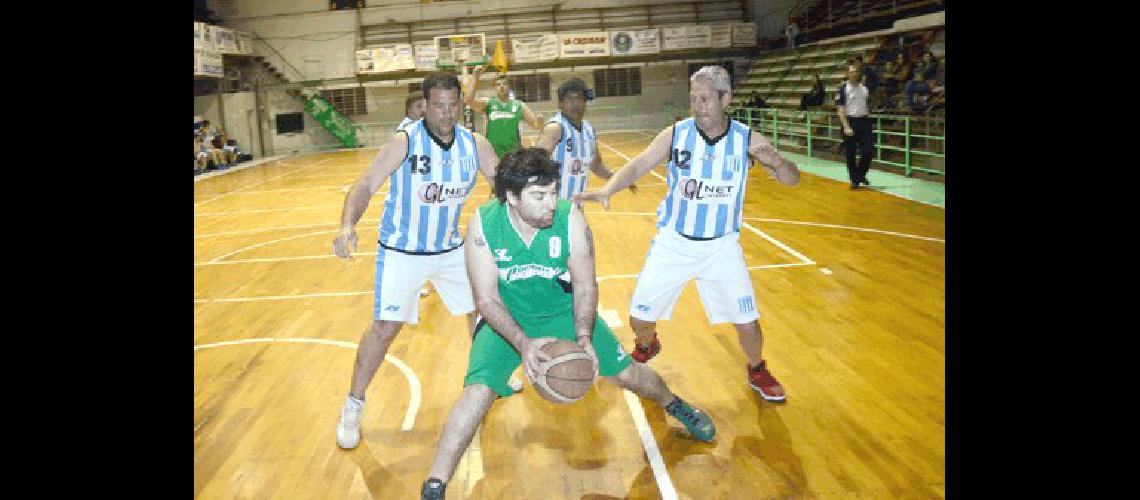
x,y
706,181
427,192
407,121
574,154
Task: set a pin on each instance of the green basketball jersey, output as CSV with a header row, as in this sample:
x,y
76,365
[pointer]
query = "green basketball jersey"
x,y
534,281
503,124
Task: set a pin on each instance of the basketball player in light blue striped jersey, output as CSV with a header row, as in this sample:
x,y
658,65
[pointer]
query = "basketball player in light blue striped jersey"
x,y
433,164
572,142
698,222
414,110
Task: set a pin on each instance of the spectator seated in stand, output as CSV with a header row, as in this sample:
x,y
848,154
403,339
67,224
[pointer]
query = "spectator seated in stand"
x,y
206,137
201,158
815,96
918,95
899,74
927,67
881,95
756,101
225,151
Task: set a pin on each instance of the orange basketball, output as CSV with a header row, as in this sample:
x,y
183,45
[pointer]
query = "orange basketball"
x,y
566,377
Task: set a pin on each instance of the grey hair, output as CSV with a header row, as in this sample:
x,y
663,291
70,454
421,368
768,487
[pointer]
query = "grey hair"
x,y
715,74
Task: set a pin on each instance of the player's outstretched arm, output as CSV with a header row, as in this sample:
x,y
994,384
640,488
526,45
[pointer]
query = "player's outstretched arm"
x,y
549,137
532,119
584,282
601,170
389,158
488,160
656,152
484,277
783,169
477,105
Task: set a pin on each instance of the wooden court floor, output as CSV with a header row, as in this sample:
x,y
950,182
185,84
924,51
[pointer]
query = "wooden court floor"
x,y
850,285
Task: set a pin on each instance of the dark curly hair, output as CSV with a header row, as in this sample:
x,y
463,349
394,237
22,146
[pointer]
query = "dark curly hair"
x,y
572,85
522,168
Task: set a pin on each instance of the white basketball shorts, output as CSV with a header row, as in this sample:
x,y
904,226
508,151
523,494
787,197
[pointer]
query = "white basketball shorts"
x,y
723,282
400,276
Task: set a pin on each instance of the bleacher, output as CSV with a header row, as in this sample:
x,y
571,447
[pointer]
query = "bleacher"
x,y
782,77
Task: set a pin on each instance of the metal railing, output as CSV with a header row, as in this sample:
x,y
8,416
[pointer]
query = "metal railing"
x,y
813,126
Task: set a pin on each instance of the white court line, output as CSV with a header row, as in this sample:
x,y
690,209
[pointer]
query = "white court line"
x,y
270,242
619,153
287,297
409,374
611,317
284,190
279,228
778,243
637,412
470,466
282,162
853,228
279,259
370,292
266,210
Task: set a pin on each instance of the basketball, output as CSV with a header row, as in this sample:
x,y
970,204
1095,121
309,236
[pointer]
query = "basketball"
x,y
566,377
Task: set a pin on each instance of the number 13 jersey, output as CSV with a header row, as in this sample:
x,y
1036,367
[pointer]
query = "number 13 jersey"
x,y
426,193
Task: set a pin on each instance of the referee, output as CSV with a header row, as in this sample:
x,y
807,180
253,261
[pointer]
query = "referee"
x,y
851,104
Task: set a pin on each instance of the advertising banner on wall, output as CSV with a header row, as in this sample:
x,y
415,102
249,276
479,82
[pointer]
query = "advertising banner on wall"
x,y
686,37
244,42
584,45
199,35
720,35
225,41
207,63
426,55
399,57
744,34
206,42
535,48
364,62
631,42
332,120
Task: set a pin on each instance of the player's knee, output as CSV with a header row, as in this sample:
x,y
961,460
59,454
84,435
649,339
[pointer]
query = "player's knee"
x,y
626,378
385,330
639,325
749,328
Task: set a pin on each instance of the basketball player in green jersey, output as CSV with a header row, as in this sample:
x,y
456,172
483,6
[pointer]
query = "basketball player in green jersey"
x,y
503,113
531,268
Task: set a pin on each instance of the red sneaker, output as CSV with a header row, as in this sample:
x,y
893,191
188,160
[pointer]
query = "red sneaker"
x,y
764,383
642,355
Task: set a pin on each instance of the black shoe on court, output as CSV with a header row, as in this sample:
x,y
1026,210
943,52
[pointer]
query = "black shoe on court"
x,y
433,489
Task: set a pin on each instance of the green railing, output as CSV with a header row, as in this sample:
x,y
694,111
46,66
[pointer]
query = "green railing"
x,y
813,126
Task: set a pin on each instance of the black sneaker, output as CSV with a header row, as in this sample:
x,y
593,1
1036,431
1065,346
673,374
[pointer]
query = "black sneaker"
x,y
433,489
696,421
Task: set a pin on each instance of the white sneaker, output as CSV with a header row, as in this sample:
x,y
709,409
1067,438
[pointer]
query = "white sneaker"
x,y
516,384
348,430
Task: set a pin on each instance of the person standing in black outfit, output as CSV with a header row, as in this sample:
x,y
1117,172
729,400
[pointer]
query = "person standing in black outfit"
x,y
851,104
